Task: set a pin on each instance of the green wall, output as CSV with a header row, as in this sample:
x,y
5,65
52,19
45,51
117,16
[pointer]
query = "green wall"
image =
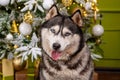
x,y
111,23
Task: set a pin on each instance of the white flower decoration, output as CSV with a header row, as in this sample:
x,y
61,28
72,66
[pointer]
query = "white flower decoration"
x,y
30,4
31,49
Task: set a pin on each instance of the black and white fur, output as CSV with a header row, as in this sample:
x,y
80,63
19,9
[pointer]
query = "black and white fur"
x,y
66,55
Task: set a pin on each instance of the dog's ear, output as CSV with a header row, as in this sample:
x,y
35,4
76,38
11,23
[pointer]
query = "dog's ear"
x,y
53,11
77,18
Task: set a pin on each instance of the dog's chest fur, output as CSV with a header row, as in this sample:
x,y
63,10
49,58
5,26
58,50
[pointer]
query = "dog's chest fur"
x,y
80,67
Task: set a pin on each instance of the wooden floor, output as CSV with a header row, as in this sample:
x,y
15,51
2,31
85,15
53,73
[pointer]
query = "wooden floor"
x,y
108,74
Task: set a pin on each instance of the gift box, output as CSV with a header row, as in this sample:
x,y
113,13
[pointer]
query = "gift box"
x,y
29,73
26,74
6,70
0,70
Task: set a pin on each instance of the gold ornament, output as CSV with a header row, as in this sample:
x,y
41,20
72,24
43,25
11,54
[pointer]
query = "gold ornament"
x,y
28,18
98,41
18,64
15,46
14,28
67,2
94,6
95,16
95,9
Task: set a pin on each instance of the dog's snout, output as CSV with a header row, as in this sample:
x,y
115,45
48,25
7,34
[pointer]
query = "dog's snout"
x,y
56,46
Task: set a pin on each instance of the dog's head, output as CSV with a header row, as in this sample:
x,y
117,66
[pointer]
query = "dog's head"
x,y
61,35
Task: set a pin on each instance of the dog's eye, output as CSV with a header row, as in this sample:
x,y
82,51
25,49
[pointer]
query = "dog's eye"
x,y
67,34
52,30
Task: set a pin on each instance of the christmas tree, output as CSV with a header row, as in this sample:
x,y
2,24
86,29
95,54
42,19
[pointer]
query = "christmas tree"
x,y
20,20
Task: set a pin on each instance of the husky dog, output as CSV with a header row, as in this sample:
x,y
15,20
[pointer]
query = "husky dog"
x,y
66,56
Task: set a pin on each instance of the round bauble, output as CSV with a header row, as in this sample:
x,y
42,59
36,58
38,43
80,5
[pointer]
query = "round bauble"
x,y
19,64
25,29
97,30
9,37
4,2
47,4
88,6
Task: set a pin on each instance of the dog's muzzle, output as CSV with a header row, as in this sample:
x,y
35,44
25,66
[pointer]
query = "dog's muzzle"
x,y
56,46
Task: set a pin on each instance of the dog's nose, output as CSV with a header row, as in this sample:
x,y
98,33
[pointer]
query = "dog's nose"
x,y
56,46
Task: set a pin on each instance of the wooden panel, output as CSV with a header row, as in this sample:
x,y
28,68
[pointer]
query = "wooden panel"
x,y
109,5
108,75
111,23
108,63
111,44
